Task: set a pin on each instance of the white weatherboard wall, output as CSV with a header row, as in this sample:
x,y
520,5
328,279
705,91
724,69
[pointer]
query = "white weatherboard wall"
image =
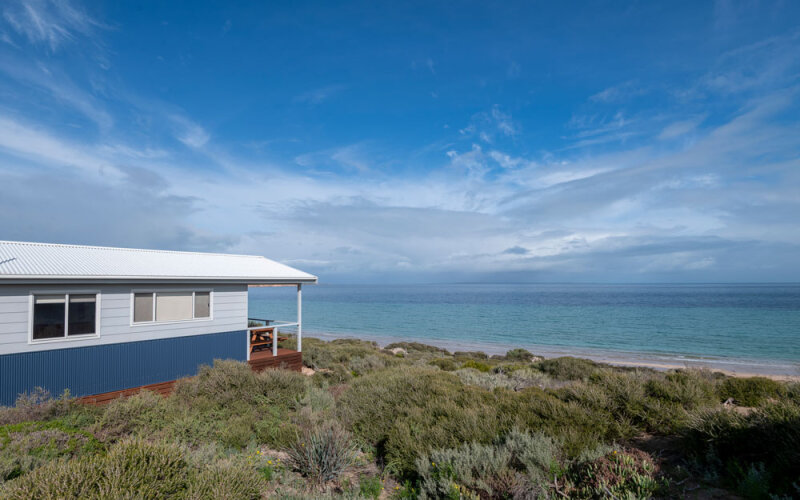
x,y
229,313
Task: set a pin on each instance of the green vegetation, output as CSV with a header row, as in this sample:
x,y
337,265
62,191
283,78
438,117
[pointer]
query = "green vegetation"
x,y
412,421
324,454
751,391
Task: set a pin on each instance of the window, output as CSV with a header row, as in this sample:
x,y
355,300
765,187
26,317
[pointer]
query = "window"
x,y
170,306
57,316
202,304
143,307
173,306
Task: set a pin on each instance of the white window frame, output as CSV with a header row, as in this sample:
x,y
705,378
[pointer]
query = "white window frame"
x,y
66,293
168,290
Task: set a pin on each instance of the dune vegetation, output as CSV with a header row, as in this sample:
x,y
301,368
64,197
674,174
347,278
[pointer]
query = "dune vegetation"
x,y
413,421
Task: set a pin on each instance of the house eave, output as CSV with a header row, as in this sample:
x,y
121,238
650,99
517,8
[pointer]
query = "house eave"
x,y
237,280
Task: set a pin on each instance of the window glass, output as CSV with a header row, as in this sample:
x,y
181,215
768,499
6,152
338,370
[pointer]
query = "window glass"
x,y
48,316
82,314
202,304
173,306
142,307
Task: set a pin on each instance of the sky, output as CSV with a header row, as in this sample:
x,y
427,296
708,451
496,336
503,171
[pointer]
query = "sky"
x,y
412,142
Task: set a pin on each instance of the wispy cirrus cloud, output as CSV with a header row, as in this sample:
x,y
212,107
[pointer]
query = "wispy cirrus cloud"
x,y
58,86
681,127
319,95
487,125
188,132
353,157
765,65
48,22
618,93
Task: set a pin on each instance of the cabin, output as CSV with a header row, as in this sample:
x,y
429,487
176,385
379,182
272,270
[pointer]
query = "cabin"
x,y
104,322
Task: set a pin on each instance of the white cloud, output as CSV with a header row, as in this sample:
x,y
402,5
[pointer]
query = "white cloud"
x,y
37,145
59,87
353,157
189,133
681,127
319,95
504,122
618,93
488,124
49,22
765,65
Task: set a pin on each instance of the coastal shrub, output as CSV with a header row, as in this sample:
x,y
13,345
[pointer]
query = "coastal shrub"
x,y
318,354
509,368
755,483
445,364
370,404
731,444
238,431
233,382
472,468
417,347
338,374
26,446
223,404
632,401
477,355
689,388
39,404
363,365
145,410
275,429
319,399
617,400
77,478
486,380
537,454
412,434
793,392
131,469
619,474
393,410
751,391
569,368
519,355
516,381
370,486
322,454
520,465
576,426
526,377
147,470
476,365
228,479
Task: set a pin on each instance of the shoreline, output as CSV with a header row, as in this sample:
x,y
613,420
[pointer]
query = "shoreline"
x,y
781,370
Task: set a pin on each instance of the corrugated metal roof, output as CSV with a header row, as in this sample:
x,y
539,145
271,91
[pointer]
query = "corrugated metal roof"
x,y
47,261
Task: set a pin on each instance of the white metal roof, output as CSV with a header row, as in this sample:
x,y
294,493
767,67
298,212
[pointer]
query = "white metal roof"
x,y
24,261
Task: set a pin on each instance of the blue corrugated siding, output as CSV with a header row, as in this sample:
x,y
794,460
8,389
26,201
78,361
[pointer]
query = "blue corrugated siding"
x,y
113,367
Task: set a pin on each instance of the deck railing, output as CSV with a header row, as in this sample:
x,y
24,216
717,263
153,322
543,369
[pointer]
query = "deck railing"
x,y
256,324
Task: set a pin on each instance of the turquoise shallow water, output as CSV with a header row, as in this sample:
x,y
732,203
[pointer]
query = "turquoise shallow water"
x,y
757,323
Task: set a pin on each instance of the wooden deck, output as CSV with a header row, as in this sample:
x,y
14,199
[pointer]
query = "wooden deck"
x,y
286,358
162,388
259,360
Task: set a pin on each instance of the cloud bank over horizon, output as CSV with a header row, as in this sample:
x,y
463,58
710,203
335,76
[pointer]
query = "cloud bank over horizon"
x,y
426,144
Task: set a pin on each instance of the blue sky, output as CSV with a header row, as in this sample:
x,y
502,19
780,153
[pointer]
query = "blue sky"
x,y
412,142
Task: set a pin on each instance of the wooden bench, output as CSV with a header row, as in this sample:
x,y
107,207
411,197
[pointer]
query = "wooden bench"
x,y
263,337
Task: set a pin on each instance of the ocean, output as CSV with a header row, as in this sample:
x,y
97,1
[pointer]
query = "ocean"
x,y
752,326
